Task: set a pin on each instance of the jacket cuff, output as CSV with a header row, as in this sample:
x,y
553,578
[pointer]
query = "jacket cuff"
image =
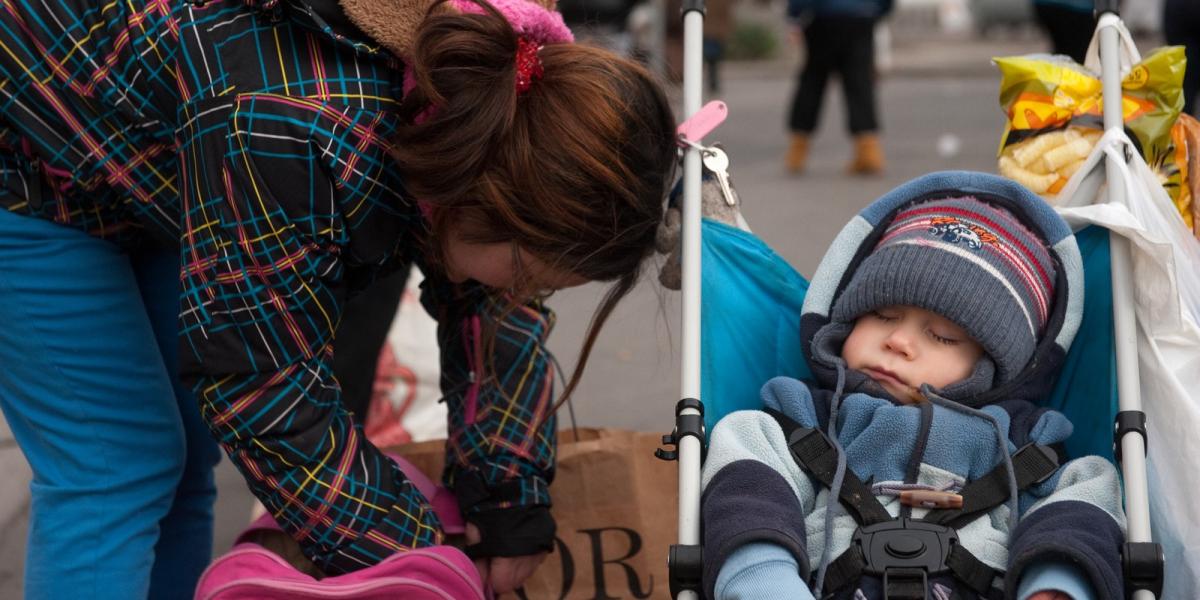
x,y
475,495
748,502
513,517
513,532
1073,533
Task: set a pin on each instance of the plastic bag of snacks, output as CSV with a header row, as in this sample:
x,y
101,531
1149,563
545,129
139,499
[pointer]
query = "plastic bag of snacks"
x,y
1054,110
1189,207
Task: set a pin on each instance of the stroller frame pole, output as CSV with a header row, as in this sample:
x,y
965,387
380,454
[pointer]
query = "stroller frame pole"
x,y
1143,562
689,460
685,560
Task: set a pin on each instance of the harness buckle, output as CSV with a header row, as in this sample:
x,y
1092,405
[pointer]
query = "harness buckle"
x,y
806,443
904,551
1049,458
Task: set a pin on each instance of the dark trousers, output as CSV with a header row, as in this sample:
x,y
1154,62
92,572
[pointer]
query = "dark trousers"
x,y
714,51
1070,31
360,336
1181,26
845,45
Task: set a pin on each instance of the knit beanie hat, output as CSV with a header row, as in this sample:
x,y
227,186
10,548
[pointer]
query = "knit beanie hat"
x,y
968,261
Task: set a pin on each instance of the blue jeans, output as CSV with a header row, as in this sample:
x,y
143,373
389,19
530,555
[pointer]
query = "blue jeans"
x,y
122,491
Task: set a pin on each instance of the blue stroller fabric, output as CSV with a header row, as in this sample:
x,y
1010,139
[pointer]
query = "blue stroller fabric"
x,y
750,332
1086,391
750,320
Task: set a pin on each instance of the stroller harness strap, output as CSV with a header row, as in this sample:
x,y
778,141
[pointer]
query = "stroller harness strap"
x,y
903,583
905,552
817,456
1032,464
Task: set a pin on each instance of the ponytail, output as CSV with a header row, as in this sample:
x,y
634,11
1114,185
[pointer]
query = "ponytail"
x,y
573,170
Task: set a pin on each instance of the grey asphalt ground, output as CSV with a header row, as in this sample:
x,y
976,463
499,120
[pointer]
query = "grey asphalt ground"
x,y
941,92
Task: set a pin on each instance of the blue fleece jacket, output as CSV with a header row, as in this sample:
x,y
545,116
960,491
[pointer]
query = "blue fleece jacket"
x,y
755,493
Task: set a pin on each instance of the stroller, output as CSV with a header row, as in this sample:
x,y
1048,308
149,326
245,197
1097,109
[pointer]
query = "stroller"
x,y
1143,305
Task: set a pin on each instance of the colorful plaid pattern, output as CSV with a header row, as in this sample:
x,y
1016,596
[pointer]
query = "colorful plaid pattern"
x,y
255,136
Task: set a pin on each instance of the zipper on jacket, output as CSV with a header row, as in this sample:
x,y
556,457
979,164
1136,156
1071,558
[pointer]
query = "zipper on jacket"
x,y
34,185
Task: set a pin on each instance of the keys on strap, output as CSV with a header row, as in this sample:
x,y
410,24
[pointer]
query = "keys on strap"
x,y
717,161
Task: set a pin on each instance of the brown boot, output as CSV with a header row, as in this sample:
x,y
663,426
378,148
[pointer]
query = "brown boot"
x,y
868,155
797,154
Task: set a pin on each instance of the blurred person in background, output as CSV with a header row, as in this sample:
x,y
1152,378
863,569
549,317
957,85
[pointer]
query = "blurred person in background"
x,y
1181,26
1069,23
839,36
718,25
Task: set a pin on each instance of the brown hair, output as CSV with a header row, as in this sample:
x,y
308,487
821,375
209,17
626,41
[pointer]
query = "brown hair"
x,y
574,170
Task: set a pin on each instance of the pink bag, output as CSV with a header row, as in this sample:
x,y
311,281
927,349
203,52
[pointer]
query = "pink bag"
x,y
250,571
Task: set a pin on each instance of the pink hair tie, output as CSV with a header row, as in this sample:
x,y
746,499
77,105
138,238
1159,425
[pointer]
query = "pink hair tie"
x,y
528,19
529,64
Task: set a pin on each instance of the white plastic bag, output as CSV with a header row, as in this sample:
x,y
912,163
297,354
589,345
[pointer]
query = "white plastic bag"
x,y
1166,273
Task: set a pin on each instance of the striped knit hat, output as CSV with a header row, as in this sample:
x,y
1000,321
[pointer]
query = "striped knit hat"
x,y
968,261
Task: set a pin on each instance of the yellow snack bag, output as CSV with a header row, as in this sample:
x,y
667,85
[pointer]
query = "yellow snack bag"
x,y
1054,110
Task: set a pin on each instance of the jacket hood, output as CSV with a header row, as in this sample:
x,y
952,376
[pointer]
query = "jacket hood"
x,y
390,23
821,338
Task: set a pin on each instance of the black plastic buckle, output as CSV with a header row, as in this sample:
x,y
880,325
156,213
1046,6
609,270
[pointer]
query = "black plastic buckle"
x,y
685,425
905,544
1129,421
1048,455
1143,564
800,444
685,569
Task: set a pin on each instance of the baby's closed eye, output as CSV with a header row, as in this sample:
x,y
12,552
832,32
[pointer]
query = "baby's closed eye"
x,y
947,339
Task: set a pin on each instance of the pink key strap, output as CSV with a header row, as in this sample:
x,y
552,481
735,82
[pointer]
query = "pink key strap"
x,y
703,122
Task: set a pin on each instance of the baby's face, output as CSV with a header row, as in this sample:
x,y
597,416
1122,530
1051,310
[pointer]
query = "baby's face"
x,y
903,347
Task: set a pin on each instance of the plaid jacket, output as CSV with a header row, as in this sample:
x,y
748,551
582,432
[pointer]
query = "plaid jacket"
x,y
254,135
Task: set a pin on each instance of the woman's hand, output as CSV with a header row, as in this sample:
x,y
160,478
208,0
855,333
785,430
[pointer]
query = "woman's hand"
x,y
1049,595
505,573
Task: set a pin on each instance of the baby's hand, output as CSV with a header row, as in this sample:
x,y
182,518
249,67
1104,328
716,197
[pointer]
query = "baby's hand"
x,y
1049,595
